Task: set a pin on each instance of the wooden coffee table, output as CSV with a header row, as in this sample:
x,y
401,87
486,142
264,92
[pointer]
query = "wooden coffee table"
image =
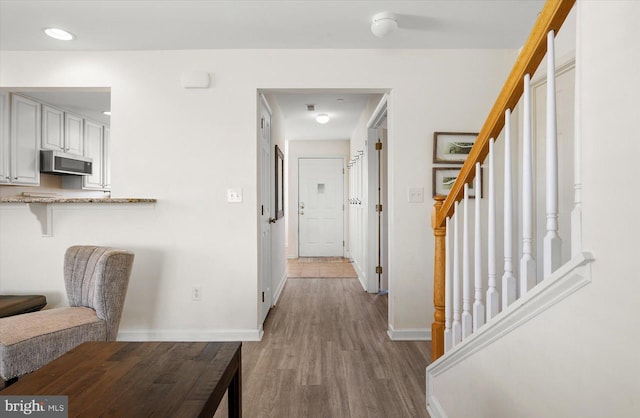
x,y
18,304
141,379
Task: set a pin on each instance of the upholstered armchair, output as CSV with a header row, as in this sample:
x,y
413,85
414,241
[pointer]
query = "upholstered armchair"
x,y
96,280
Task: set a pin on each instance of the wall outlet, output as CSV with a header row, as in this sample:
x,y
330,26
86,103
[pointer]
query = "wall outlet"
x,y
234,195
196,293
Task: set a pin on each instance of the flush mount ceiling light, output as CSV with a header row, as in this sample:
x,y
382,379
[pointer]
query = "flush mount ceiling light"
x,y
383,24
59,34
322,118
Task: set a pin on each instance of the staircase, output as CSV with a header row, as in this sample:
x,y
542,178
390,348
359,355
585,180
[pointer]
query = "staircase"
x,y
475,302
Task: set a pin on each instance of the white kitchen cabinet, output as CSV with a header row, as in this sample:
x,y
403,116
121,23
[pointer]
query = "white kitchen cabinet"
x,y
74,134
94,148
106,160
62,131
20,140
4,138
52,128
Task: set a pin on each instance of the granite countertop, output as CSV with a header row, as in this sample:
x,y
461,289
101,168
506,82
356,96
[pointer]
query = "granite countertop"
x,y
24,199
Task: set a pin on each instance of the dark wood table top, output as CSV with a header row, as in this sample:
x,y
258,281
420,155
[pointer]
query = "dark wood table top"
x,y
18,304
139,379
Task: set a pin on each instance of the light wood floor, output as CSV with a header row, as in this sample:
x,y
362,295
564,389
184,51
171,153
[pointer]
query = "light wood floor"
x,y
325,353
325,267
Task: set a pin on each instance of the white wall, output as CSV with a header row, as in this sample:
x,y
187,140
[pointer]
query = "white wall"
x,y
186,147
579,357
296,150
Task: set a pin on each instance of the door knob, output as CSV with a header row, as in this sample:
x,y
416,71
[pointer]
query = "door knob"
x,y
272,220
301,212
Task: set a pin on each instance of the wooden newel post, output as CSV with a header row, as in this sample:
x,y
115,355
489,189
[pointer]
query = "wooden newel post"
x,y
437,328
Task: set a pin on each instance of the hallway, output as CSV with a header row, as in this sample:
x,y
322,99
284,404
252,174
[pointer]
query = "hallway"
x,y
325,353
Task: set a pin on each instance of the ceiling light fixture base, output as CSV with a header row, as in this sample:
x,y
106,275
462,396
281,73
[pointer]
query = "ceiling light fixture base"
x,y
322,118
383,24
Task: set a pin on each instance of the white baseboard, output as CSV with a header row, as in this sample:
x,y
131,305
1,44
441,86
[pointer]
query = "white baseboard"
x,y
409,334
565,281
434,408
280,288
192,335
361,276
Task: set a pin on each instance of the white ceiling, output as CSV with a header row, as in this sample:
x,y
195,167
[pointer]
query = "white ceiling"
x,y
212,24
248,24
300,124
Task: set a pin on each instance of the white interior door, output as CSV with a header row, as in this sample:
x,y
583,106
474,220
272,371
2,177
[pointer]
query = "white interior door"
x,y
264,138
321,207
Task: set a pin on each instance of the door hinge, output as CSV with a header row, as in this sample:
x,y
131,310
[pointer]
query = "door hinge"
x,y
261,123
378,145
262,206
343,170
343,243
378,208
262,297
378,269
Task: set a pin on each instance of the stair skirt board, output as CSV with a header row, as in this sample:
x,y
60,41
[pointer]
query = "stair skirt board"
x,y
565,281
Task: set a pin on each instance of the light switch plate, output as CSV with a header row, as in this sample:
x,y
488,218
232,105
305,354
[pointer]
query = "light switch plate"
x,y
416,194
234,195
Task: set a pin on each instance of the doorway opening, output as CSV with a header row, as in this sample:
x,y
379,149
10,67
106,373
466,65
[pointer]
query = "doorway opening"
x,y
319,186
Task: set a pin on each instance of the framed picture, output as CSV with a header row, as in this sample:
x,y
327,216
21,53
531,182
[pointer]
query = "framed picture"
x,y
444,177
452,147
279,195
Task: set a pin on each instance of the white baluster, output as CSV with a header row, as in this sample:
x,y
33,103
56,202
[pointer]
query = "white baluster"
x,y
508,279
527,262
456,330
466,274
493,298
478,303
448,289
576,213
552,245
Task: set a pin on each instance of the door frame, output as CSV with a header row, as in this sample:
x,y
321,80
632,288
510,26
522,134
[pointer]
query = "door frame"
x,y
345,191
378,115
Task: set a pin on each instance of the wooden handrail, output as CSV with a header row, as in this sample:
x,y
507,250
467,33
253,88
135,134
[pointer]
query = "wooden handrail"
x,y
551,18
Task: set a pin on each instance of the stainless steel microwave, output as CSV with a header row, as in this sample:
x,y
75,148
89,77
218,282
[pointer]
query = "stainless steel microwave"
x,y
56,162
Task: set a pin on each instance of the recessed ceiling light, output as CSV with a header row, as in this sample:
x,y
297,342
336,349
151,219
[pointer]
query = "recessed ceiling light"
x,y
59,34
322,118
107,112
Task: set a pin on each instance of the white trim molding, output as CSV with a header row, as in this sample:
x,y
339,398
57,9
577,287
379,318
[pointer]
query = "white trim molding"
x,y
362,277
409,334
280,288
192,335
565,281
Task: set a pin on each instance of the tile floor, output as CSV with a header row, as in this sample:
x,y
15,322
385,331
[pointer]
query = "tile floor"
x,y
320,267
